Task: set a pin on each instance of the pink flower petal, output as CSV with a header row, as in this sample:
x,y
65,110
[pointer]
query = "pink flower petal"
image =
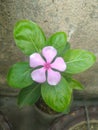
x,y
59,64
53,77
36,60
49,53
39,75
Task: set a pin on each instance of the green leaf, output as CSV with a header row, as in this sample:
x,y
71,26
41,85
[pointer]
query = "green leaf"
x,y
67,110
58,41
57,97
19,75
29,37
74,84
78,60
67,47
29,95
66,76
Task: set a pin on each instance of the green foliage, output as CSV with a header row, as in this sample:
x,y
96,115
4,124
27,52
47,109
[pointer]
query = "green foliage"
x,y
58,41
74,84
78,60
29,95
19,75
57,97
29,37
67,47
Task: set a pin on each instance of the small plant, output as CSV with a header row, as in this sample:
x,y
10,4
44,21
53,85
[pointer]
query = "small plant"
x,y
48,73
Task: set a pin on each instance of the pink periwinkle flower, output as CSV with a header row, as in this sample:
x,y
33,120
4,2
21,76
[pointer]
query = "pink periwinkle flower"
x,y
47,66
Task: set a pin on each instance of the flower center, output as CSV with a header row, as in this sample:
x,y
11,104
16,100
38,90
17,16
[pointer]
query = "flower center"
x,y
47,66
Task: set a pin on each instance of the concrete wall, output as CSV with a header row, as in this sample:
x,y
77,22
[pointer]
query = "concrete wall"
x,y
79,16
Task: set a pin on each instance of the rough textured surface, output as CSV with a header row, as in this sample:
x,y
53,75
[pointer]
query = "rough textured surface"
x,y
27,118
78,16
77,120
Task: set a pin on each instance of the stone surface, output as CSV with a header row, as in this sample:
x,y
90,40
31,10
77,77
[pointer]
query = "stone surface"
x,y
79,17
26,118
